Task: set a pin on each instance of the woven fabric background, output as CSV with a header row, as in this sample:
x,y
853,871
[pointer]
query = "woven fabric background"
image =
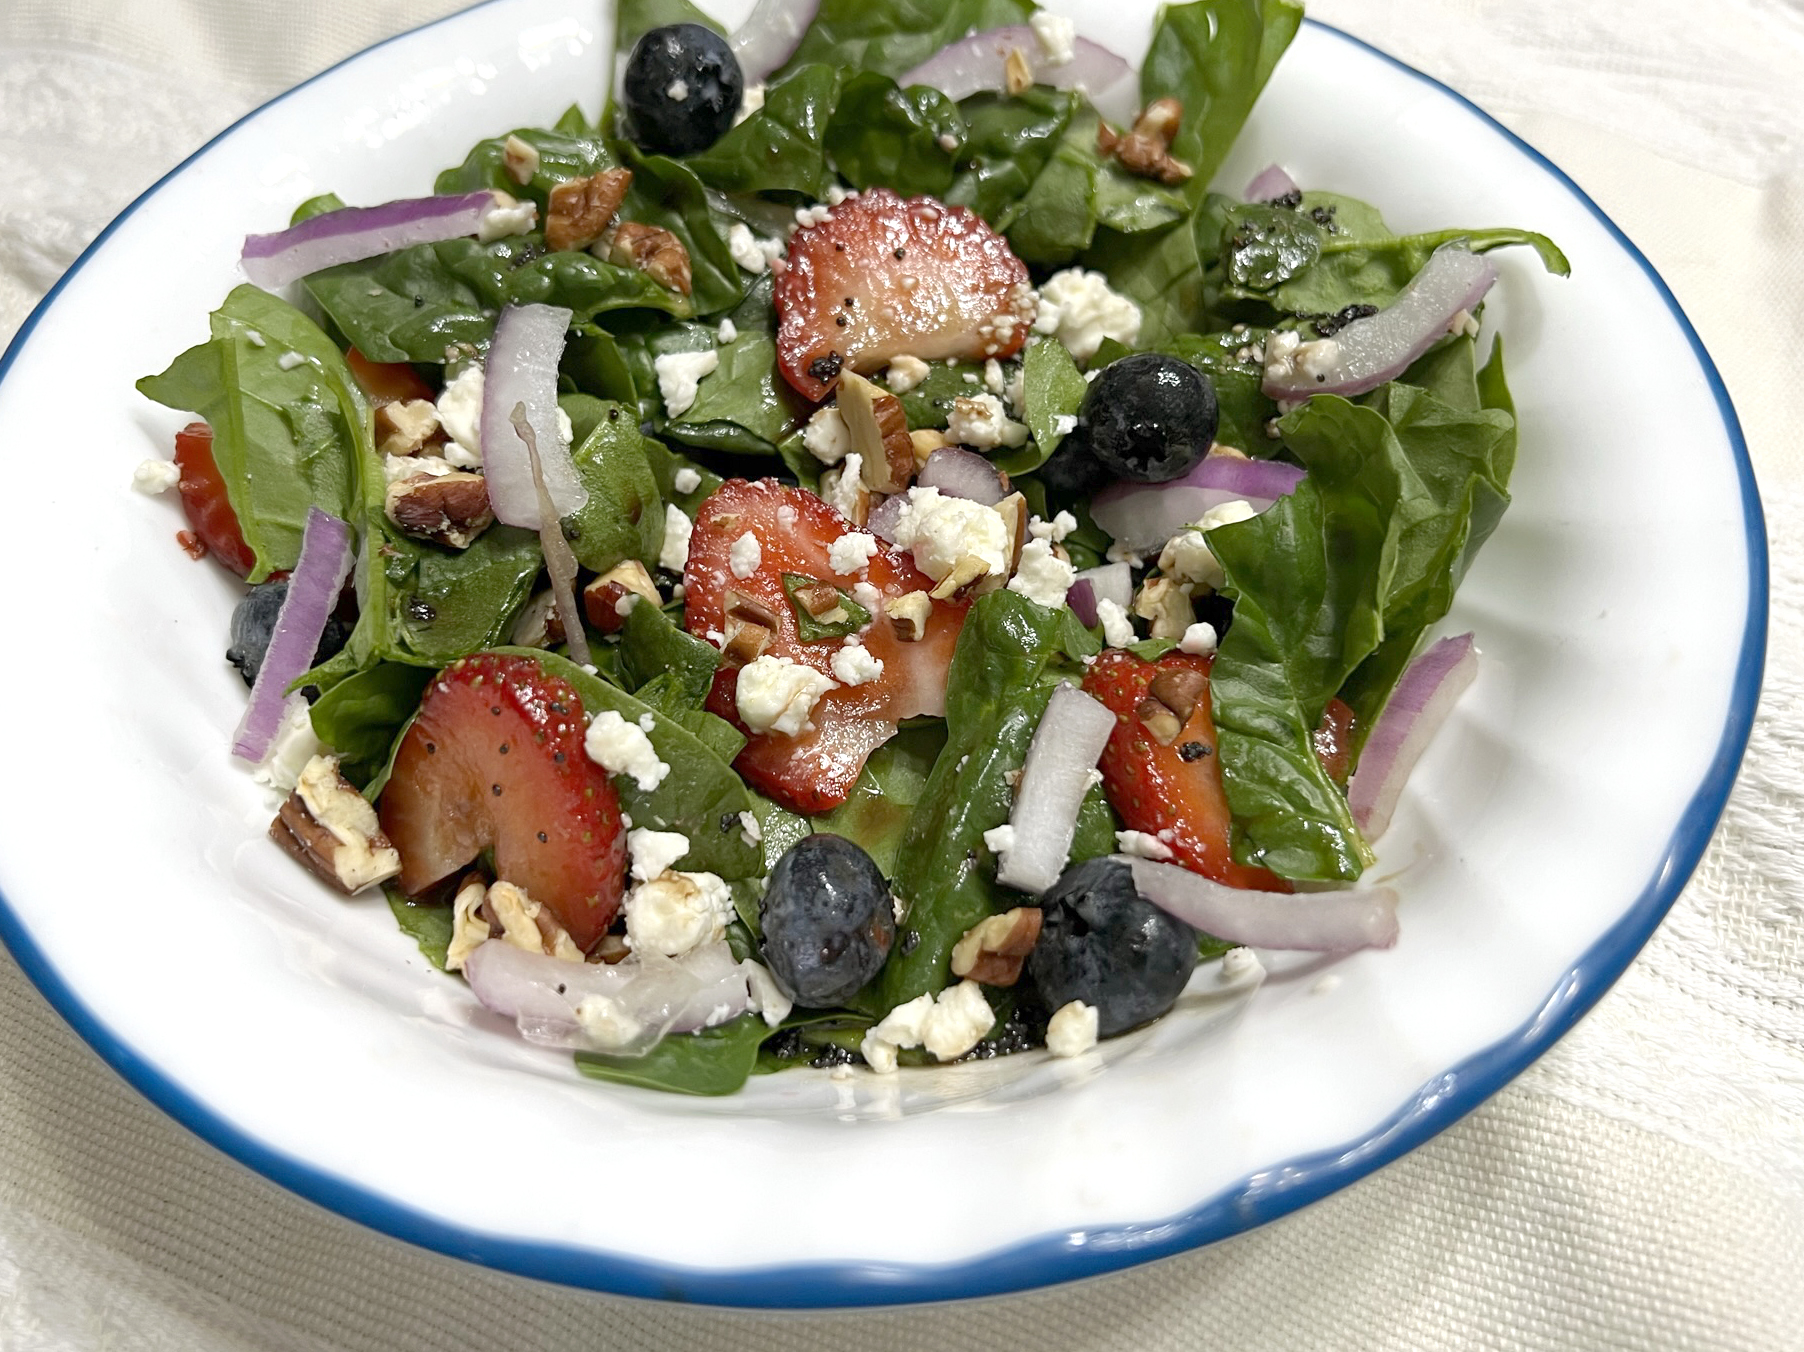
x,y
1642,1187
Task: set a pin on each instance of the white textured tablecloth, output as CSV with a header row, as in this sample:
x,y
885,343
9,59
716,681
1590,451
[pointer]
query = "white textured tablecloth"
x,y
1641,1187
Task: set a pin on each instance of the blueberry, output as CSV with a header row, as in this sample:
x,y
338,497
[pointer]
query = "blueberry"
x,y
1103,943
683,87
1149,417
828,920
1071,472
254,623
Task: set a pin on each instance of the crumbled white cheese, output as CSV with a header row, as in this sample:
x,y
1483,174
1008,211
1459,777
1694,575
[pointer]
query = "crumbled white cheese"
x,y
999,839
1078,308
1016,391
905,373
289,360
843,495
1064,423
940,531
1054,530
745,556
606,1022
749,102
992,377
1237,964
786,516
460,414
1057,36
1142,846
290,749
777,694
867,596
156,476
981,422
960,1018
1287,356
1117,629
508,217
1186,558
1199,638
680,375
1119,553
853,552
677,90
622,748
673,556
1463,324
748,826
854,665
1042,576
677,912
767,996
826,437
744,247
813,215
728,332
686,480
654,851
1072,1029
948,142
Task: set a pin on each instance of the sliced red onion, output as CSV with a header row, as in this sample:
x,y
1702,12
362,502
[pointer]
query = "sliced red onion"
x,y
1142,517
1271,183
1336,921
885,517
352,234
1368,352
1054,779
313,587
770,35
959,473
1111,582
522,369
974,64
1430,687
654,995
560,559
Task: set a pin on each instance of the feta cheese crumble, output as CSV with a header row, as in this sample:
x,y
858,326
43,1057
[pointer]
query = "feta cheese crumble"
x,y
940,531
680,375
728,332
745,556
999,839
654,851
981,422
290,749
673,556
854,665
948,1026
156,476
686,480
675,913
1078,308
905,373
1117,629
1199,638
777,694
1042,576
1238,964
1186,558
509,217
1072,1029
460,414
853,552
744,247
622,748
1142,846
1057,36
826,437
843,495
1287,356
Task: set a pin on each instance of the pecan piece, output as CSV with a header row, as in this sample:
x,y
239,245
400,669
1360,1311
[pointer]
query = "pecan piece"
x,y
908,615
605,600
581,209
750,627
1163,602
878,429
448,509
332,829
994,951
403,426
656,252
538,625
1146,149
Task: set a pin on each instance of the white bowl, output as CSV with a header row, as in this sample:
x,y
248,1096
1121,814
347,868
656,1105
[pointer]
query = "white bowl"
x,y
1620,610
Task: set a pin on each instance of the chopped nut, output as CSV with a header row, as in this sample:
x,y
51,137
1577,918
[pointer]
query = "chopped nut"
x,y
405,425
993,952
656,252
1179,689
750,627
527,924
1160,723
1232,452
1014,514
602,598
610,949
854,505
1146,150
470,925
970,571
823,602
521,160
908,615
925,442
538,625
1160,120
331,828
879,431
1107,138
1163,602
581,209
448,509
750,609
1016,73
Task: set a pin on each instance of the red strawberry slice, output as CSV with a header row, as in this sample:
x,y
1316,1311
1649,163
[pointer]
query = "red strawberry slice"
x,y
795,530
881,278
495,761
1173,790
204,501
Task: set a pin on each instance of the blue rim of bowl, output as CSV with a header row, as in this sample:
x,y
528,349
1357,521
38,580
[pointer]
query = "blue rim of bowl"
x,y
1065,1256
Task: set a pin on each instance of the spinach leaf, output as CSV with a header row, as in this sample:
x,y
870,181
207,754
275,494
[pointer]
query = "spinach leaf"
x,y
1161,271
595,365
844,618
286,434
896,37
1055,219
1308,580
1127,203
1008,143
667,193
576,153
1054,390
743,406
665,465
361,716
414,304
889,136
929,404
782,146
1245,407
428,926
585,412
877,813
710,1061
1214,56
653,645
701,797
624,516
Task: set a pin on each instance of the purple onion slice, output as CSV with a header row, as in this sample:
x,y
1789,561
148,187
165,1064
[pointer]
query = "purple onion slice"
x,y
1430,687
1317,922
522,369
1110,582
1142,517
885,517
1054,779
352,234
770,35
1271,183
319,575
974,64
959,473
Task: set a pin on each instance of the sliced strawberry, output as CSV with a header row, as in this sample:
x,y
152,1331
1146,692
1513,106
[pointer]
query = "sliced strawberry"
x,y
204,501
1334,741
814,771
495,760
882,278
1170,791
386,382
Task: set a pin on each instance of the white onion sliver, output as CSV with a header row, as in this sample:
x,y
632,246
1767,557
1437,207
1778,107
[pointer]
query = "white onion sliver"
x,y
1430,687
522,369
1318,922
319,575
770,35
1109,582
1054,779
974,64
352,234
1271,183
959,473
1367,352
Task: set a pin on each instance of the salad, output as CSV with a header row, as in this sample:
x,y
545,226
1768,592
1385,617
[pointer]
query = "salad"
x,y
858,557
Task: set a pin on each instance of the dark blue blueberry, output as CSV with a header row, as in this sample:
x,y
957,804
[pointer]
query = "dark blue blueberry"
x,y
683,87
1149,417
254,623
1071,472
1103,943
828,920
